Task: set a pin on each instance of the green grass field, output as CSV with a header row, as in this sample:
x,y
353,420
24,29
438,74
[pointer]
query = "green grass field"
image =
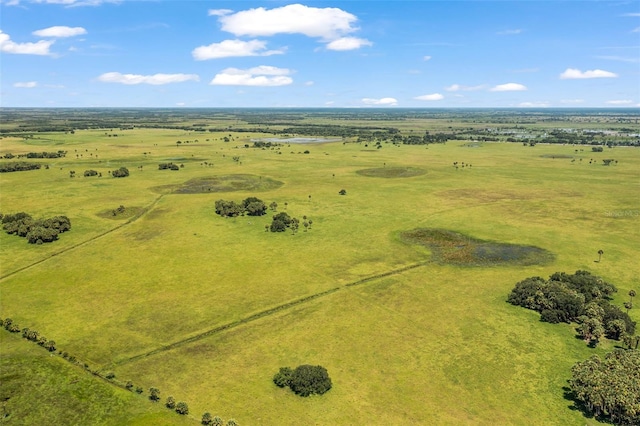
x,y
147,295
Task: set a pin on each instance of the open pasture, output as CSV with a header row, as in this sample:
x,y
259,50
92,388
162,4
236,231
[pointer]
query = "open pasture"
x,y
207,308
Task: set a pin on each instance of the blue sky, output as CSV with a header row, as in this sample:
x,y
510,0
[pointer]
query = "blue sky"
x,y
101,53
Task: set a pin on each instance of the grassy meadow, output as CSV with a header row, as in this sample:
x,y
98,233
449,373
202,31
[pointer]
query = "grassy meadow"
x,y
407,339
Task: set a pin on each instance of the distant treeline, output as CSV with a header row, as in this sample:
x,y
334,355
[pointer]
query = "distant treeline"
x,y
58,154
18,167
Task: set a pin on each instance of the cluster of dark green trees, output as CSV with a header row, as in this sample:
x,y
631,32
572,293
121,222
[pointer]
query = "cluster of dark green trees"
x,y
282,221
31,335
121,172
251,206
582,298
609,388
36,231
20,166
58,154
89,173
168,166
304,380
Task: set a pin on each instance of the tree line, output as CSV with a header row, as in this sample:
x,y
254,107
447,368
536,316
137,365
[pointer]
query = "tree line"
x,y
58,154
19,166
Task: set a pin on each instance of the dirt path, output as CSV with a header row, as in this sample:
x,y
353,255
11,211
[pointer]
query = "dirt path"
x,y
263,314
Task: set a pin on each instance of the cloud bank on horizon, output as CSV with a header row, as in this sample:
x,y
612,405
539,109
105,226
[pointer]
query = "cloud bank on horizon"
x,y
349,54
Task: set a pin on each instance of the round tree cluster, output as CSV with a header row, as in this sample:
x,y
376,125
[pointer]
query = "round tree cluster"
x,y
304,380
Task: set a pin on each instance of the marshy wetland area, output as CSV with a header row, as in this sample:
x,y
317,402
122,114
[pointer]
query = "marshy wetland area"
x,y
192,253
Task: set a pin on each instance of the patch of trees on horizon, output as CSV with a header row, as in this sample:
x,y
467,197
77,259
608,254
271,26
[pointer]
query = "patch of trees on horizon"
x,y
36,231
58,154
168,166
581,298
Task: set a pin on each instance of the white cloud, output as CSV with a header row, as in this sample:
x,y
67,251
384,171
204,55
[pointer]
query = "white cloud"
x,y
60,31
68,3
635,15
426,58
309,83
382,101
38,48
509,87
510,32
572,73
155,79
572,101
26,84
431,97
461,88
636,30
543,104
620,102
348,43
231,48
219,12
327,23
263,75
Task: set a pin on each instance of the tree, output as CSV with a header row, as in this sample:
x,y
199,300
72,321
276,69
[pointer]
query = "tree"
x,y
281,222
273,206
304,380
343,192
232,422
154,394
217,421
294,225
121,172
170,403
632,294
206,419
609,388
182,408
600,253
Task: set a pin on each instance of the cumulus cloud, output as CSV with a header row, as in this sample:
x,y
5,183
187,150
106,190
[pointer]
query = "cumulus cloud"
x,y
38,48
348,43
509,87
262,75
60,31
26,84
382,101
327,23
572,74
331,25
461,88
231,48
431,97
155,79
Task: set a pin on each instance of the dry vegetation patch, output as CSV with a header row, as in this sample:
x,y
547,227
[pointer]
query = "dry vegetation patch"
x,y
392,172
222,183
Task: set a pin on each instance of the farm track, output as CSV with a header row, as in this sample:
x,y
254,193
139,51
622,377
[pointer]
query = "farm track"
x,y
265,313
58,253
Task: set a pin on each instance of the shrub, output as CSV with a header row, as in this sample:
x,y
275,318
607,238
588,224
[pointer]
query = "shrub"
x,y
182,408
283,377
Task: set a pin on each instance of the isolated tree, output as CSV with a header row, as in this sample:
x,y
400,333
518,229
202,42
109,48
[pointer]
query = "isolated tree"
x,y
182,408
294,225
600,253
217,421
154,394
232,422
628,306
343,192
207,419
273,206
170,403
632,294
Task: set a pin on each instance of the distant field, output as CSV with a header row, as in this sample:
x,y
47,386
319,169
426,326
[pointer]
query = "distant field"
x,y
206,308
